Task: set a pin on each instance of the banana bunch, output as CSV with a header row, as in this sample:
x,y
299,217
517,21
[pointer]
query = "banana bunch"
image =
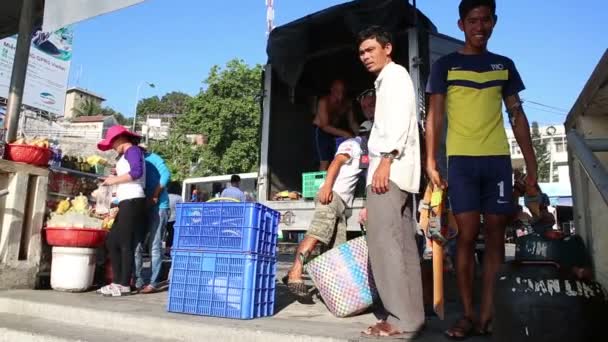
x,y
40,142
96,160
63,207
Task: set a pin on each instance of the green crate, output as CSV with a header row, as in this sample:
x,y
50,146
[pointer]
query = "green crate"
x,y
311,182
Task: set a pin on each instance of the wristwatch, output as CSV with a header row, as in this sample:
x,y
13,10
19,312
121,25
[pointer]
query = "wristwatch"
x,y
388,155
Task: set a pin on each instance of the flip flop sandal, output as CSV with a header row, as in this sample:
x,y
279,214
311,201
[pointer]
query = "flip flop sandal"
x,y
377,333
484,330
297,288
467,330
116,292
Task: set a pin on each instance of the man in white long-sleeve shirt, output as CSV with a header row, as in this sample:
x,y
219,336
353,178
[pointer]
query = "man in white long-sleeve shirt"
x,y
393,176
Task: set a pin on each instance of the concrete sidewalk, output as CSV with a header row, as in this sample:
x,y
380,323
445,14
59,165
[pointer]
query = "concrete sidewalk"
x,y
26,315
146,315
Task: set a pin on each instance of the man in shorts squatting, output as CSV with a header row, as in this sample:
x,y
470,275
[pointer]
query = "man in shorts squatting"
x,y
470,85
393,176
334,197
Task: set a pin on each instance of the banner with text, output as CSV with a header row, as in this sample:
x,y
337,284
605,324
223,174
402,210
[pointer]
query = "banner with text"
x,y
47,71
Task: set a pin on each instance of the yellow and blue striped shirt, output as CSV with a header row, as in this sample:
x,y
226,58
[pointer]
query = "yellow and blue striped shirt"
x,y
475,86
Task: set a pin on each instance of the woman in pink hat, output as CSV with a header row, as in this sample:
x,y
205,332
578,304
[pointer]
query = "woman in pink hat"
x,y
129,225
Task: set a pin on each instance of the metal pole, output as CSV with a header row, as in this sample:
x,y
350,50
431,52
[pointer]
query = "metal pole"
x,y
22,54
136,103
415,13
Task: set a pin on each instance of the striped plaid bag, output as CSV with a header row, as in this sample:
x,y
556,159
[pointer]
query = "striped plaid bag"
x,y
344,279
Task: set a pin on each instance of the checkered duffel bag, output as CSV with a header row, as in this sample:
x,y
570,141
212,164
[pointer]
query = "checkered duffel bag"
x,y
344,279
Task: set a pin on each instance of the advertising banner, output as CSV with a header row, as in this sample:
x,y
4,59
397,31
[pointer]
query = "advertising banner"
x,y
47,71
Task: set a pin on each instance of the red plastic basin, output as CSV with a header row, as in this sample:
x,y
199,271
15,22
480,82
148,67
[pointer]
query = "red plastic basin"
x,y
75,237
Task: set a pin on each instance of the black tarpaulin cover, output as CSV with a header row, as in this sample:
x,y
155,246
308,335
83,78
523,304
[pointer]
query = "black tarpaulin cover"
x,y
292,46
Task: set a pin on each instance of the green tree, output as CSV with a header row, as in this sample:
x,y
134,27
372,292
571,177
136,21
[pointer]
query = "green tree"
x,y
227,112
87,108
150,105
175,103
179,154
171,103
543,155
118,115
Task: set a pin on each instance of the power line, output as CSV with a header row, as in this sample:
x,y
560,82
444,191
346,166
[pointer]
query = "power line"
x,y
546,106
546,111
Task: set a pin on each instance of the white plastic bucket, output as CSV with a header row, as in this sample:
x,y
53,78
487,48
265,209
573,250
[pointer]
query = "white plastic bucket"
x,y
72,269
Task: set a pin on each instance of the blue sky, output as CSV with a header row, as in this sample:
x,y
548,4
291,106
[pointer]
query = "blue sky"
x,y
174,43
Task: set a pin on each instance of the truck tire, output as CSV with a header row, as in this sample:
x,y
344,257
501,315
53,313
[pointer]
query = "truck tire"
x,y
533,303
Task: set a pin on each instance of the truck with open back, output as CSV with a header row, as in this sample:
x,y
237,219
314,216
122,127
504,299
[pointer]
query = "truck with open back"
x,y
304,56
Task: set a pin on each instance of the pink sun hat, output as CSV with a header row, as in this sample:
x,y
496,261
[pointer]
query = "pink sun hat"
x,y
113,133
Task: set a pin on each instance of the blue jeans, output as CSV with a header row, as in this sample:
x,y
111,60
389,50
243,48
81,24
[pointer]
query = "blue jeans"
x,y
157,222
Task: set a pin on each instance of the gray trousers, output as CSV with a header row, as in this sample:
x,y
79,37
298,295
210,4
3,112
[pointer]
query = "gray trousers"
x,y
394,257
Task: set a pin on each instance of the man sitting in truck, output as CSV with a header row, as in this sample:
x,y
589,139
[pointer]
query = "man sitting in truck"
x,y
334,119
234,190
328,225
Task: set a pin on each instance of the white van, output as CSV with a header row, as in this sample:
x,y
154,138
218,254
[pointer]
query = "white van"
x,y
212,186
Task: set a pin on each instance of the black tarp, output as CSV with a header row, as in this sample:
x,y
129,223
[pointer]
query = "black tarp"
x,y
292,47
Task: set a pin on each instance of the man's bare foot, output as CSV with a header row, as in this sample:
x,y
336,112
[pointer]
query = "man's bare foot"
x,y
463,329
296,286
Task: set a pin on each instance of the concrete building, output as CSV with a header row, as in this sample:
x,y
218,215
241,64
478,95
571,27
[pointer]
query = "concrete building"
x,y
157,126
555,136
75,97
92,127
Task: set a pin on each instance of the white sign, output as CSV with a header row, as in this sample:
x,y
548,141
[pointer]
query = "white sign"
x,y
156,123
47,71
60,13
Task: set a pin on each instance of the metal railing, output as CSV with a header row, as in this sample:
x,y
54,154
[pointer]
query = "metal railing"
x,y
60,133
583,151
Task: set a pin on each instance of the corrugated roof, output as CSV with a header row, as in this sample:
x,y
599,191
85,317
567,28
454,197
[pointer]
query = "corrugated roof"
x,y
92,118
85,91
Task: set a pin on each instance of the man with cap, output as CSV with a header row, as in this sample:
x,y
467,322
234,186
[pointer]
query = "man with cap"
x,y
157,180
328,225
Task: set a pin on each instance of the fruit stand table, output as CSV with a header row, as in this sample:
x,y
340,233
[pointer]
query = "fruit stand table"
x,y
22,213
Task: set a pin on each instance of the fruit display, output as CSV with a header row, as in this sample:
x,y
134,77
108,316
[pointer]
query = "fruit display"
x,y
91,164
38,142
108,221
74,214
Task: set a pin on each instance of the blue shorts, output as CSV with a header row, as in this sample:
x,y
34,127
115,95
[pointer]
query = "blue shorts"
x,y
483,184
324,145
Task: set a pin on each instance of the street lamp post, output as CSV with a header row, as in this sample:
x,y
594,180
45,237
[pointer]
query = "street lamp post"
x,y
151,85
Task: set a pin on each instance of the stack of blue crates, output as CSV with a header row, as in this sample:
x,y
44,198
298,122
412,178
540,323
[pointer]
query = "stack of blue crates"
x,y
224,260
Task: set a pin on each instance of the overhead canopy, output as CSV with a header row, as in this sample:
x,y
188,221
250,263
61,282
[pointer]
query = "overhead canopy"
x,y
60,13
57,13
593,100
10,11
334,30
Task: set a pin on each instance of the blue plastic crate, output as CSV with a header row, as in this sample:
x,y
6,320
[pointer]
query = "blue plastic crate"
x,y
227,285
226,227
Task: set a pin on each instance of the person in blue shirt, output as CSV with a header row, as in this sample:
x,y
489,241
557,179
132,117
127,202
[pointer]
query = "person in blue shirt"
x,y
233,191
157,179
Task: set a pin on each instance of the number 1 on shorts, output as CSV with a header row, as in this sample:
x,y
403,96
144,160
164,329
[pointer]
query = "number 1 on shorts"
x,y
501,189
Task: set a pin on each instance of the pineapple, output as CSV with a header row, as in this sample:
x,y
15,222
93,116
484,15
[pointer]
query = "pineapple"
x,y
63,207
80,204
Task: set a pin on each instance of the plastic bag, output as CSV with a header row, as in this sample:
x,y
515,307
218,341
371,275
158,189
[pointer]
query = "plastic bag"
x,y
103,199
